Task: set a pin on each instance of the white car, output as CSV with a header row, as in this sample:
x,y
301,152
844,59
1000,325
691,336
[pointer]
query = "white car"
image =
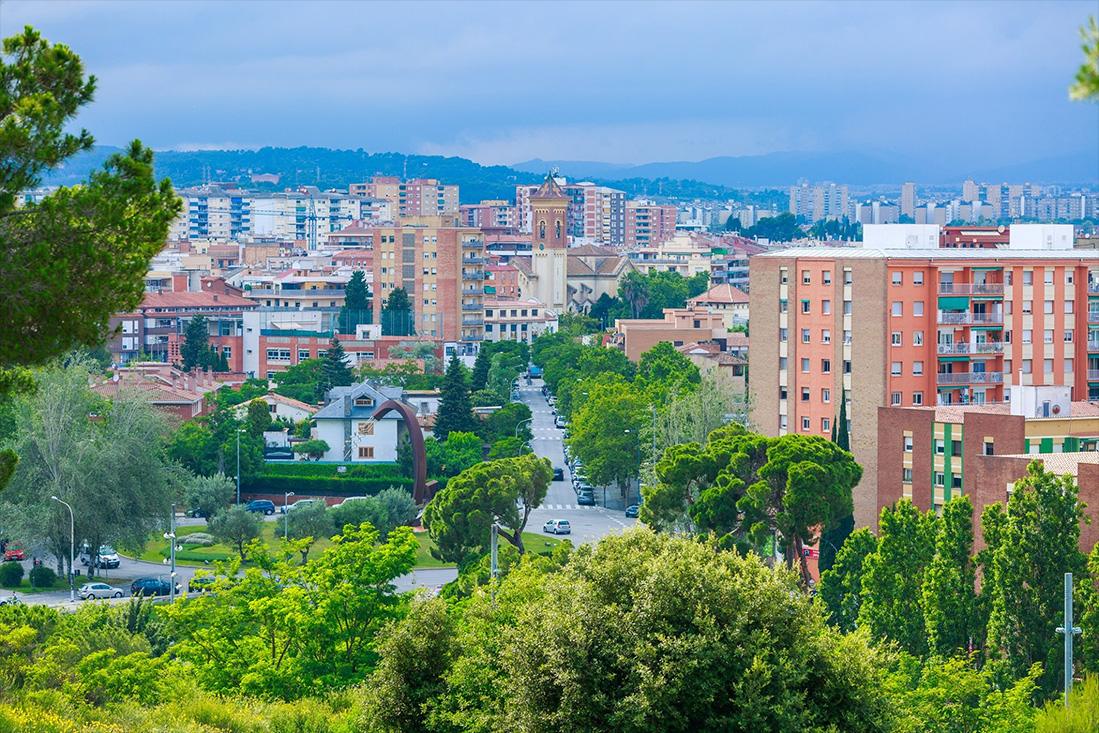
x,y
98,590
352,499
301,503
557,526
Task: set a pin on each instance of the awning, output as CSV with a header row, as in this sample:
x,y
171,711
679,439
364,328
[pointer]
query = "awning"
x,y
954,358
953,303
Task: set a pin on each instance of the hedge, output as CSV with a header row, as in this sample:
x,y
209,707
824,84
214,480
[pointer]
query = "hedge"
x,y
323,485
309,469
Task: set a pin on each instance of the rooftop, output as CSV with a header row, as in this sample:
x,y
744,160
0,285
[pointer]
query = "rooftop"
x,y
721,294
1062,464
931,254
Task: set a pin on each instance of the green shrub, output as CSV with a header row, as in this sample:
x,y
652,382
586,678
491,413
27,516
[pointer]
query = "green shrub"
x,y
1082,716
200,539
322,485
11,574
42,577
304,469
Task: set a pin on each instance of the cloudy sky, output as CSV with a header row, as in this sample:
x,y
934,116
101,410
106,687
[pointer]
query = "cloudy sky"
x,y
625,82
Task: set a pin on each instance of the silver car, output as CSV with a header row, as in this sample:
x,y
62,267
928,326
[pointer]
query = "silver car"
x,y
98,590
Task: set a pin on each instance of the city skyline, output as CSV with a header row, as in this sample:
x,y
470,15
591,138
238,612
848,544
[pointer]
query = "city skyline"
x,y
973,84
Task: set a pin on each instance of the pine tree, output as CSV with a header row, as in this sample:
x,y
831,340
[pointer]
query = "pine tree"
x,y
455,412
335,372
481,367
356,304
843,439
397,315
832,540
195,349
949,598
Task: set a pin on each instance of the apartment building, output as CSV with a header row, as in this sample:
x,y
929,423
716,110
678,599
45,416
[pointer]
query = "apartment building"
x,y
813,203
296,288
517,320
679,326
416,197
212,212
596,214
441,267
648,223
502,281
726,300
911,328
489,215
685,253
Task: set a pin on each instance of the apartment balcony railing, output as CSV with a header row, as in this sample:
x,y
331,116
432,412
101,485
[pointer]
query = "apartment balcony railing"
x,y
473,306
473,276
473,260
987,319
953,318
1093,316
1093,375
971,288
473,291
1093,345
473,244
1093,287
473,321
989,347
473,337
969,378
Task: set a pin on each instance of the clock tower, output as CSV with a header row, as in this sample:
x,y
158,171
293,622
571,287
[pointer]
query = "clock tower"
x,y
549,224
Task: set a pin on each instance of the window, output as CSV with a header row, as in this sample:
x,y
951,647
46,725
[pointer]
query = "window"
x,y
917,398
1049,306
781,332
1048,279
805,306
782,306
825,336
805,424
955,447
1068,366
1068,335
804,394
917,338
826,277
895,369
955,481
1068,306
940,478
847,307
898,308
782,276
846,367
825,424
1027,307
917,308
826,307
847,276
1007,307
908,444
782,422
278,355
917,278
782,393
805,365
895,339
826,395
898,278
366,428
1028,277
364,402
917,368
805,335
1026,366
1028,335
847,337
1047,336
906,475
782,363
1068,277
805,279
895,399
940,447
1047,366
826,366
989,447
366,451
303,354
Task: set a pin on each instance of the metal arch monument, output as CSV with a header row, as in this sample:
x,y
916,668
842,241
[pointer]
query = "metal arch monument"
x,y
419,453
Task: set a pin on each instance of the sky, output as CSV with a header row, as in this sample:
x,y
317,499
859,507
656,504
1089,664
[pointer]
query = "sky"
x,y
975,83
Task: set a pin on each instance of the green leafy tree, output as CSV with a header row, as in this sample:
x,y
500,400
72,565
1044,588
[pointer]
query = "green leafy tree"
x,y
605,433
397,314
698,284
305,381
193,350
502,492
455,412
665,369
309,524
781,228
506,422
422,350
892,584
841,585
208,495
452,456
1037,545
400,509
479,378
950,606
356,304
335,371
509,447
312,449
236,527
259,417
1086,87
503,373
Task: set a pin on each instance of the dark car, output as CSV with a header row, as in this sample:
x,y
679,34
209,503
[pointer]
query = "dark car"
x,y
200,583
262,506
558,474
151,587
631,511
585,499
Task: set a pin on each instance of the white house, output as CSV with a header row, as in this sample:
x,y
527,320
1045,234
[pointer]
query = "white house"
x,y
280,406
348,425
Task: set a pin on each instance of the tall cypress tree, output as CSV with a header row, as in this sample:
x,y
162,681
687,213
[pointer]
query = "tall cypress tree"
x,y
335,372
356,303
195,344
832,539
843,439
455,411
481,367
397,314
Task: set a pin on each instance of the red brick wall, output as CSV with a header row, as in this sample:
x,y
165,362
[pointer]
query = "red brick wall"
x,y
892,422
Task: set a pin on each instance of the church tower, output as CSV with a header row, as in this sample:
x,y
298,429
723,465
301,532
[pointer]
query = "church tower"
x,y
549,224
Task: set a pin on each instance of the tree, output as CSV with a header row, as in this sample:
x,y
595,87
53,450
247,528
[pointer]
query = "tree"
x,y
304,381
1038,544
422,350
236,527
832,540
698,284
950,606
335,371
479,379
504,423
259,417
356,304
455,411
605,433
503,373
665,369
892,584
400,509
502,492
455,454
208,495
397,314
781,228
312,449
841,585
508,447
1086,87
308,524
193,351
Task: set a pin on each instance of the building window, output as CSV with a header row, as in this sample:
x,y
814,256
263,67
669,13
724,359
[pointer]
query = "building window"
x,y
303,354
782,275
782,307
847,307
366,428
805,424
898,278
917,368
917,278
826,336
782,393
1028,277
227,352
826,395
1026,366
847,337
955,481
895,338
782,363
825,424
805,365
1028,307
1068,366
805,306
940,478
906,475
908,444
366,451
826,366
805,277
917,398
917,308
897,308
826,307
782,422
940,447
917,338
1028,335
364,402
895,369
846,367
1049,306
1048,279
895,399
1047,336
847,276
989,448
782,335
805,335
278,355
1047,366
804,394
826,277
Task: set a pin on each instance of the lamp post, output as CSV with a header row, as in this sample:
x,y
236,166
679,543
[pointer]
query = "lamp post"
x,y
239,431
72,550
627,432
286,515
524,422
170,535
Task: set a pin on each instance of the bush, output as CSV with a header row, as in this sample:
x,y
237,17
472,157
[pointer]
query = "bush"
x,y
42,577
365,470
11,574
322,485
201,539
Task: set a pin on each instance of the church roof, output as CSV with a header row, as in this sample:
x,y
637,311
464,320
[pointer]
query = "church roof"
x,y
549,190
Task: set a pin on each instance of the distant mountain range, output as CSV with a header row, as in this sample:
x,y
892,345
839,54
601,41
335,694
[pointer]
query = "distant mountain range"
x,y
860,169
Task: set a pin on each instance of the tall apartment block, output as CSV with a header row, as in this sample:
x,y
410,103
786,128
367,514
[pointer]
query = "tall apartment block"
x,y
595,213
914,327
210,212
826,201
648,223
441,267
417,197
908,199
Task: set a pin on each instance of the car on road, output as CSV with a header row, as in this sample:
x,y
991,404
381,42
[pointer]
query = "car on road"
x,y
261,505
559,422
13,551
196,513
351,499
200,583
98,590
558,474
585,499
632,510
300,504
151,586
557,526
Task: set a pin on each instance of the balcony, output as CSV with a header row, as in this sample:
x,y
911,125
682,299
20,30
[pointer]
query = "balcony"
x,y
473,321
989,347
969,378
473,306
954,318
1093,287
473,244
1093,316
1093,375
473,260
1093,345
971,288
965,318
473,276
473,291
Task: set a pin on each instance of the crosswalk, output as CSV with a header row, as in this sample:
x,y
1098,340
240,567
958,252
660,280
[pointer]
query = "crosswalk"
x,y
568,506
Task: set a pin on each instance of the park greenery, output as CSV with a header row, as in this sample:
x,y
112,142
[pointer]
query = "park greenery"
x,y
646,295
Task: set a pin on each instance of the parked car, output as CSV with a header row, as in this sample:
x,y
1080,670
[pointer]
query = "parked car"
x,y
98,590
559,422
558,474
585,499
557,526
200,583
351,499
261,505
196,513
13,551
151,586
300,503
106,557
631,511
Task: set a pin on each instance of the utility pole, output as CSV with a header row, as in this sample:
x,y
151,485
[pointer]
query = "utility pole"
x,y
495,566
1069,631
170,535
72,550
239,431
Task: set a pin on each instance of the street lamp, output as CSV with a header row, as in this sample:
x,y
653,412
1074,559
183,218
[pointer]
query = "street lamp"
x,y
627,432
239,431
170,535
521,425
72,550
286,515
